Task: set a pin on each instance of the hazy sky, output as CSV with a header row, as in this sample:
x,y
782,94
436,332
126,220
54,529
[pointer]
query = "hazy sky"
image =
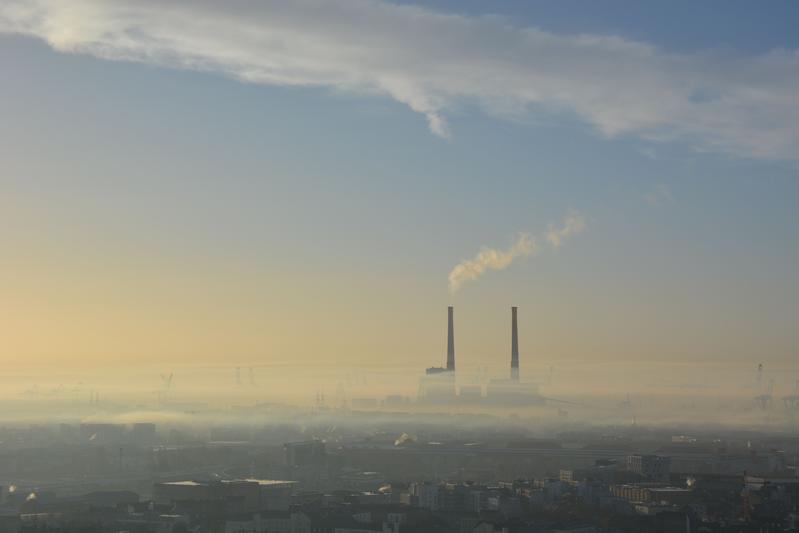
x,y
315,181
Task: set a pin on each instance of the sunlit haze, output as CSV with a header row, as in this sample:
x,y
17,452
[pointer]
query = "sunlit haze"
x,y
349,266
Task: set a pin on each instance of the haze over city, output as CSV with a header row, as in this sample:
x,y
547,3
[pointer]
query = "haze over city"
x,y
310,228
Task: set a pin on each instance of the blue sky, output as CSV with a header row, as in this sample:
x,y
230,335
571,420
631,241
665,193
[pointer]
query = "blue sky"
x,y
135,170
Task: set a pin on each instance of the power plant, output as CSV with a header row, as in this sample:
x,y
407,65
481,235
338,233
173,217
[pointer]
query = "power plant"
x,y
439,384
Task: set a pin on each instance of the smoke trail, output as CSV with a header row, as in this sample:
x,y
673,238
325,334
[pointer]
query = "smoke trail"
x,y
572,225
490,259
493,259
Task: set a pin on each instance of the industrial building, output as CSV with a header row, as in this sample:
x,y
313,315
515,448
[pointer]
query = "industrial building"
x,y
652,467
439,384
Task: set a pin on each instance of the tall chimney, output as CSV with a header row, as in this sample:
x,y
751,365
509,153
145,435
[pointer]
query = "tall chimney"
x,y
514,347
450,341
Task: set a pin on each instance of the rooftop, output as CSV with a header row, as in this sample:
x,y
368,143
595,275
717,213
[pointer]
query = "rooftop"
x,y
262,482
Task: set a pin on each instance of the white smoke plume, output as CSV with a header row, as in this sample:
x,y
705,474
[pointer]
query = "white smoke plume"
x,y
490,259
525,245
572,225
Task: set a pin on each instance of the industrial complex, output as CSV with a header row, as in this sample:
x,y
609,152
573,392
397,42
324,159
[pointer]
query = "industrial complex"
x,y
440,385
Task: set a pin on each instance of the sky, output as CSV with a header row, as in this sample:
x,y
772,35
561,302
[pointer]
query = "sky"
x,y
314,182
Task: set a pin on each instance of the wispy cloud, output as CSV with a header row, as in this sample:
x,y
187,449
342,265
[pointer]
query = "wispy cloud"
x,y
433,62
571,225
490,259
525,245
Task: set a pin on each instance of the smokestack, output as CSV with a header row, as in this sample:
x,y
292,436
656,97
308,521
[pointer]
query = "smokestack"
x,y
450,341
514,347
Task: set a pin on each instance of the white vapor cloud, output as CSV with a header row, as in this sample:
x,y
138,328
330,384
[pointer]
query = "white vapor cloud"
x,y
571,225
433,62
490,259
525,245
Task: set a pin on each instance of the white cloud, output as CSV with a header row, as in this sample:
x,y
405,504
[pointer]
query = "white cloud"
x,y
490,259
433,62
571,225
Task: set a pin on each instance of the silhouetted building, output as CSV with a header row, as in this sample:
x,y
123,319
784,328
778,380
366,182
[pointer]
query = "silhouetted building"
x,y
232,496
651,467
438,384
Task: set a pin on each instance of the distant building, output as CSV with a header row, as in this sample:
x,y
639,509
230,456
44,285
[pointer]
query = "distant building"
x,y
438,383
566,475
650,467
653,492
272,522
437,386
234,496
426,495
